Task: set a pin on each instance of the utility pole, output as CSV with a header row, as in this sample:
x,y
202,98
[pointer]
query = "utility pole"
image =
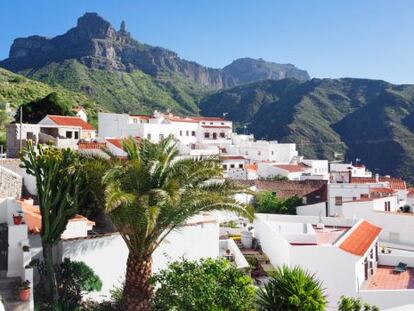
x,y
21,127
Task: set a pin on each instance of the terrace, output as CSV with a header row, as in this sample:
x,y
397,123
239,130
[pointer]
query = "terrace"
x,y
385,279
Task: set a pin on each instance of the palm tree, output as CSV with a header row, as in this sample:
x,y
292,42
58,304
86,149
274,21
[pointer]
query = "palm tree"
x,y
59,184
154,192
291,289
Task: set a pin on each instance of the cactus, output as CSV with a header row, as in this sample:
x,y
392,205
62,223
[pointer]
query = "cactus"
x,y
59,183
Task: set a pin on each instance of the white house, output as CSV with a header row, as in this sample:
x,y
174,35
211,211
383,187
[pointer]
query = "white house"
x,y
87,131
290,171
343,255
262,150
342,172
61,136
81,113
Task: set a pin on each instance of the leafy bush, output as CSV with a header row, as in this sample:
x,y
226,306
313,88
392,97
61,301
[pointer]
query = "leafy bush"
x,y
204,285
291,289
354,304
268,202
74,278
405,208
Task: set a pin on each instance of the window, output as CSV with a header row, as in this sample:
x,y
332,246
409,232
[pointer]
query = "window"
x,y
135,121
214,135
206,135
181,133
211,123
222,123
222,135
76,135
387,206
240,165
338,201
246,152
273,152
231,165
68,134
225,167
364,196
354,198
161,136
148,136
259,153
203,122
193,133
187,133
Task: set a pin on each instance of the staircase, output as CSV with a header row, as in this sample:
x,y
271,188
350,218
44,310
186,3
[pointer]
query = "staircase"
x,y
9,294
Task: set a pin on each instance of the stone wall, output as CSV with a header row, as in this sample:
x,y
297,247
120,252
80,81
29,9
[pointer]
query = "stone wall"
x,y
11,184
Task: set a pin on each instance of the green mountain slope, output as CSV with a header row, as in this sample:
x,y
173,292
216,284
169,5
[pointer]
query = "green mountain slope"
x,y
368,119
134,92
17,90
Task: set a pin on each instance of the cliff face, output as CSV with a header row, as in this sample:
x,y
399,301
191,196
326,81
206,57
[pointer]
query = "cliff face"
x,y
95,43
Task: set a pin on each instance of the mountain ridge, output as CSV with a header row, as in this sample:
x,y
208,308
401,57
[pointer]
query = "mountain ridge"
x,y
367,119
95,43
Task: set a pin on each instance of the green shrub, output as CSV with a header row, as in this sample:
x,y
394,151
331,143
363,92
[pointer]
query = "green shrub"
x,y
354,304
268,202
291,289
203,285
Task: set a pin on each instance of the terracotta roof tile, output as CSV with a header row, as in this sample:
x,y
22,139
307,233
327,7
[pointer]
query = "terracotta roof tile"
x,y
360,238
71,121
395,183
382,190
292,168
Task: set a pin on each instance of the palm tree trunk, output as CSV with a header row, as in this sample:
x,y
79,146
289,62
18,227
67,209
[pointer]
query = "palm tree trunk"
x,y
50,271
138,289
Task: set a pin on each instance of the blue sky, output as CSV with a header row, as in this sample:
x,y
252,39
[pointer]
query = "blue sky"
x,y
329,38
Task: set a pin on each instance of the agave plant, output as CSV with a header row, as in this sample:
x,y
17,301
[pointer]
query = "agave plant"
x,y
154,192
291,289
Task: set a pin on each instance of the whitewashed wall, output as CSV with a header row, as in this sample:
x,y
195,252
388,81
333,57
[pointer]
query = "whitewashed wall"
x,y
396,227
388,298
107,255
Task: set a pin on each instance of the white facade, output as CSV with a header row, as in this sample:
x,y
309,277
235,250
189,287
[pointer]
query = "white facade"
x,y
262,150
291,172
341,172
57,135
158,126
345,192
397,226
341,272
198,239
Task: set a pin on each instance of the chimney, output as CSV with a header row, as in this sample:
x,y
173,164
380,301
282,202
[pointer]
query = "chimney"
x,y
376,177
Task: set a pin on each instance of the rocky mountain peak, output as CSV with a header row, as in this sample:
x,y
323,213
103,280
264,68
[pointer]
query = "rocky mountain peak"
x,y
94,26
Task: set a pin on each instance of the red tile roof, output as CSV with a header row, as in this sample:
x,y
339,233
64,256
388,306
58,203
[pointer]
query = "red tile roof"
x,y
71,121
179,119
141,116
292,168
117,142
232,158
209,119
382,190
92,145
360,238
395,183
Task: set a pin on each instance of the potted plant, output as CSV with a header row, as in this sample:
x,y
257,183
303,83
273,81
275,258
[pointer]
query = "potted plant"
x,y
17,219
24,291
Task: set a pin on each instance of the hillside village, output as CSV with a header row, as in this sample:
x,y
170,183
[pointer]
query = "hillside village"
x,y
351,228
